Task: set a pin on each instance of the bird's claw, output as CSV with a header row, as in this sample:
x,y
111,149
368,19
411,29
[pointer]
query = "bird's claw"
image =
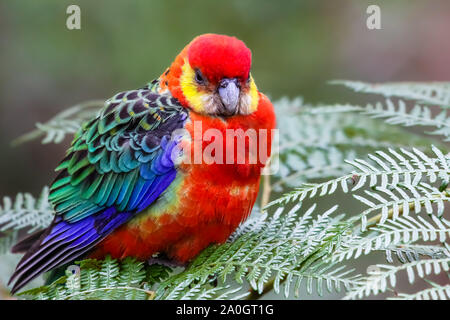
x,y
162,259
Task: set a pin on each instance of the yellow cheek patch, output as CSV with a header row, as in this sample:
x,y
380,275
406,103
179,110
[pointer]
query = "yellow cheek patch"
x,y
254,95
190,89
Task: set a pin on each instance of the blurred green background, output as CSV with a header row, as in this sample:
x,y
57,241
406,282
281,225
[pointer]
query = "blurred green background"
x,y
297,47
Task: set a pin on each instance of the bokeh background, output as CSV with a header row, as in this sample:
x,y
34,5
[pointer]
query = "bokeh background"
x,y
297,47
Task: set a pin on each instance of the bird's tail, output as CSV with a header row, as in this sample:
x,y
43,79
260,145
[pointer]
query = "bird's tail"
x,y
63,242
25,244
51,248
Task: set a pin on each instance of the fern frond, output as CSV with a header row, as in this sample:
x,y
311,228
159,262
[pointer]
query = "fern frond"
x,y
278,250
417,116
412,252
315,140
398,233
399,200
387,169
385,275
102,280
24,212
66,122
286,248
7,240
196,292
437,292
332,168
435,93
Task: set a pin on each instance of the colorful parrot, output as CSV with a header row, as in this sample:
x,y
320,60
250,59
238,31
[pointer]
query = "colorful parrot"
x,y
125,189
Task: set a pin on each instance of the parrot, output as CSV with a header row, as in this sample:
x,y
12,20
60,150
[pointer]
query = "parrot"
x,y
128,186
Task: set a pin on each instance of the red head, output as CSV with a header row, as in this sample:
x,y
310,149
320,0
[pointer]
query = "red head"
x,y
218,56
212,76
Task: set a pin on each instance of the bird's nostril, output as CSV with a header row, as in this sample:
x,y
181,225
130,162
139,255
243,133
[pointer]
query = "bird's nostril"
x,y
225,82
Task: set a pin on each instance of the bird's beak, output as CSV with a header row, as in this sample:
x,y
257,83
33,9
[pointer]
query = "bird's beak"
x,y
229,94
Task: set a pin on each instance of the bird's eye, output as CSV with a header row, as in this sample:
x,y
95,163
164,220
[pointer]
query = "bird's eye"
x,y
199,77
248,78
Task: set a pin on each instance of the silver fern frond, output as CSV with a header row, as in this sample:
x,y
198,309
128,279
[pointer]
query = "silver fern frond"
x,y
385,170
67,122
417,116
435,93
25,212
395,235
385,276
437,292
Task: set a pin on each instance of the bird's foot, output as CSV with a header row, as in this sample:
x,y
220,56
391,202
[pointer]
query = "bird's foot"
x,y
162,259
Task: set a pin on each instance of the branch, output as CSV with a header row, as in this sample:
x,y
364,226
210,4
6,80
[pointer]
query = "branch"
x,y
267,188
